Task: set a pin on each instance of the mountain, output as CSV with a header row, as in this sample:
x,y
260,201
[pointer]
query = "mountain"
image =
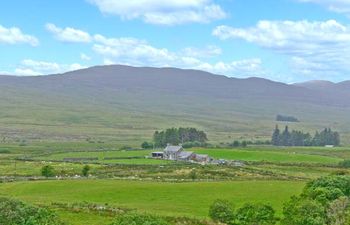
x,y
127,104
317,84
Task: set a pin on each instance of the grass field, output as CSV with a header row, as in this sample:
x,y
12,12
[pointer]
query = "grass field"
x,y
119,157
267,155
174,199
99,154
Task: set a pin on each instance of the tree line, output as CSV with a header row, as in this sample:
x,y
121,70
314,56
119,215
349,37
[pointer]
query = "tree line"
x,y
286,118
176,136
299,138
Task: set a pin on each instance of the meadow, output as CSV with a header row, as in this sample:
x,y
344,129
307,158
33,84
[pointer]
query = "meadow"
x,y
170,199
291,156
132,181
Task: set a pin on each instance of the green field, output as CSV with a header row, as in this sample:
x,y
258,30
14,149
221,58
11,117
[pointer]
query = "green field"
x,y
267,155
174,199
120,157
99,154
161,187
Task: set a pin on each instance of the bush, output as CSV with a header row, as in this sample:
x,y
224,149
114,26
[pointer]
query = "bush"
x,y
345,164
13,212
299,211
85,170
47,171
146,145
138,219
257,214
328,188
338,211
221,211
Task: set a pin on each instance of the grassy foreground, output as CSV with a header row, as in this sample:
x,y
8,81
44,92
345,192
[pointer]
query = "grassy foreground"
x,y
173,199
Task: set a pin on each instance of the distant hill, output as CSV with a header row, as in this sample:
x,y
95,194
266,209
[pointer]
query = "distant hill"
x,y
126,104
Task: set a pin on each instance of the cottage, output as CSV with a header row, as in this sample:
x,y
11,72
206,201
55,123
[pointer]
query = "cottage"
x,y
172,152
178,153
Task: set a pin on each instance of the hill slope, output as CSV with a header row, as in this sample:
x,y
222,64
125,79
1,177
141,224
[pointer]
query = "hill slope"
x,y
127,104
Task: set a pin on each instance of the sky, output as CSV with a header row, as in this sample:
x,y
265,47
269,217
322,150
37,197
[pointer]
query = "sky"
x,y
282,40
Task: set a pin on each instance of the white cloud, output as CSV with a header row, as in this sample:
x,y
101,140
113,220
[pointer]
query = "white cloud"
x,y
245,68
339,6
14,35
29,67
85,57
208,51
68,34
131,51
169,12
26,72
312,45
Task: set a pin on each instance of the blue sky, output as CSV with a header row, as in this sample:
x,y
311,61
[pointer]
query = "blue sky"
x,y
282,40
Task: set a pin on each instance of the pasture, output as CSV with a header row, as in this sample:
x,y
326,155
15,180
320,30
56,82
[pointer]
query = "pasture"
x,y
291,156
132,157
172,199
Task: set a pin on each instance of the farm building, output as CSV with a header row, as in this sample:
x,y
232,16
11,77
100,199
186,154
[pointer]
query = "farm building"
x,y
178,153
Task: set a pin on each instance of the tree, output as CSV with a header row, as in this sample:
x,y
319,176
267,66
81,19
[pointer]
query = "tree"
x,y
298,138
257,214
327,189
286,118
285,138
235,144
244,144
221,211
146,145
300,211
178,135
85,170
338,212
276,137
139,219
13,212
47,171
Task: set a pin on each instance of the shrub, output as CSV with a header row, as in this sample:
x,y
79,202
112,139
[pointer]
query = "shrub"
x,y
330,187
257,214
345,164
338,211
139,219
86,170
221,211
299,211
13,212
47,171
146,145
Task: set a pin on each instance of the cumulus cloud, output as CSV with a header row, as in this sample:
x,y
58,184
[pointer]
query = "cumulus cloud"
x,y
137,52
68,34
29,67
131,51
169,12
312,45
14,35
339,6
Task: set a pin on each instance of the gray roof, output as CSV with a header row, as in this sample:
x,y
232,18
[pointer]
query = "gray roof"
x,y
171,148
201,155
185,155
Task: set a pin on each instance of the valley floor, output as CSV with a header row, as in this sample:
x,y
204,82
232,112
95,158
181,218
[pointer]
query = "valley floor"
x,y
131,181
